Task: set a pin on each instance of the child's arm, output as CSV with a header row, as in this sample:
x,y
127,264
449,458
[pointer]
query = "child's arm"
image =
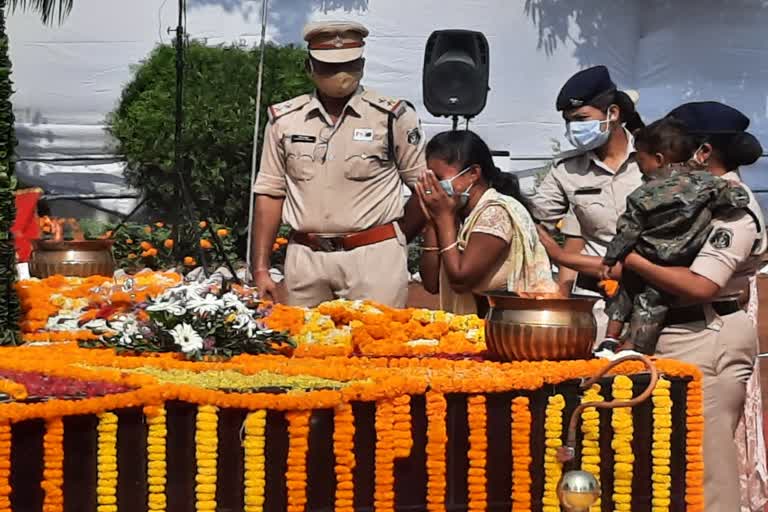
x,y
628,229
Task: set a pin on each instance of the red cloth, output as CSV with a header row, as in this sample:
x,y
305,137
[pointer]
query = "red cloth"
x,y
26,227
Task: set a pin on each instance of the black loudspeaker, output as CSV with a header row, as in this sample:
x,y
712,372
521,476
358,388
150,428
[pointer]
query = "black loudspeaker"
x,y
455,79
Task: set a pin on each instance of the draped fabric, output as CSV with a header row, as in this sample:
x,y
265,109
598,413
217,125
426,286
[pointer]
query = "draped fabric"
x,y
750,440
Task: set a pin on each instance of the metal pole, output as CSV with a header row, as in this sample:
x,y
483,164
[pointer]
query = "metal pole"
x,y
251,196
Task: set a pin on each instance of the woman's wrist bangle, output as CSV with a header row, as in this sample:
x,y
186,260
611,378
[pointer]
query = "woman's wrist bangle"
x,y
430,249
448,248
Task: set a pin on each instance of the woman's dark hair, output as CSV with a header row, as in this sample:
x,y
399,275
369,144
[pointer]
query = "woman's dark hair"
x,y
734,149
628,114
667,136
463,148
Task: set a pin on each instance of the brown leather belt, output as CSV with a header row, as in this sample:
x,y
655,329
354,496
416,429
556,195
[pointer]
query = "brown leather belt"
x,y
348,242
696,313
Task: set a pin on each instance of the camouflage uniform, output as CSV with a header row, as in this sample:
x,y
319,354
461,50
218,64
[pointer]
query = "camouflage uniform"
x,y
667,221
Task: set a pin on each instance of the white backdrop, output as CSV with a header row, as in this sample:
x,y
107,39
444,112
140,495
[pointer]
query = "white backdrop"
x,y
67,78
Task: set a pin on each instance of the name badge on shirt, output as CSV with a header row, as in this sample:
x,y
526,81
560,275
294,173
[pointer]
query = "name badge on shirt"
x,y
587,191
364,134
303,138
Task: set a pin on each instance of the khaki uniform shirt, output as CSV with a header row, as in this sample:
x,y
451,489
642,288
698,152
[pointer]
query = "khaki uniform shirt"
x,y
588,195
340,178
732,253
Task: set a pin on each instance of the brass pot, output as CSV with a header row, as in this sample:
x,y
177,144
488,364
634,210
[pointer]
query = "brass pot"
x,y
528,329
74,258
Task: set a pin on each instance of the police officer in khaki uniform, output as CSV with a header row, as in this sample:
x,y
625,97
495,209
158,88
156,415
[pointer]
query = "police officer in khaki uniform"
x,y
588,187
716,333
333,166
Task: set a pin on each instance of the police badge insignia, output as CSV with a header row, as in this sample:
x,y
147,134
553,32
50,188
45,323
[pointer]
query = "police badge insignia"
x,y
721,238
414,136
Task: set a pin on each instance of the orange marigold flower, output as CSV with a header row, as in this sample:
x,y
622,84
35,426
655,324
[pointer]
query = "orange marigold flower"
x,y
205,244
203,224
222,232
190,261
152,252
132,256
159,224
146,245
129,241
148,229
275,247
168,244
281,240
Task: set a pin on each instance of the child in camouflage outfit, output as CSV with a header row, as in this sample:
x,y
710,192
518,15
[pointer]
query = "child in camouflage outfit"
x,y
667,221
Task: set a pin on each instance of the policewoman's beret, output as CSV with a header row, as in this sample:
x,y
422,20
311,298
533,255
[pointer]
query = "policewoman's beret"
x,y
583,87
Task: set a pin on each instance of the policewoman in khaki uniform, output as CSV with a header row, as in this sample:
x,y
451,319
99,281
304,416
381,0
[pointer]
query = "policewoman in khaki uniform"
x,y
715,333
588,187
332,167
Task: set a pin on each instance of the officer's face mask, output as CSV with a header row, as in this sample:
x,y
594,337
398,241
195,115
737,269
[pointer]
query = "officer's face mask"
x,y
340,83
463,197
587,135
694,162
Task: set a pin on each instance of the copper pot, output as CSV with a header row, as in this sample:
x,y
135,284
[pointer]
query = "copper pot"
x,y
529,329
74,258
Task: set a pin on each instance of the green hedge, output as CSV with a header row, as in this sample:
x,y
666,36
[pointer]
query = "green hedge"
x,y
220,98
9,303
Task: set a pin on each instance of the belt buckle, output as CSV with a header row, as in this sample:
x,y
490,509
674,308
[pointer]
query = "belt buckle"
x,y
330,244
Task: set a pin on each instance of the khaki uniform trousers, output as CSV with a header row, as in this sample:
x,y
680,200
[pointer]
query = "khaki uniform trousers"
x,y
377,272
725,351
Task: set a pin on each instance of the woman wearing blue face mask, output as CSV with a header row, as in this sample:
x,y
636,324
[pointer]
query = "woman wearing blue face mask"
x,y
587,188
479,235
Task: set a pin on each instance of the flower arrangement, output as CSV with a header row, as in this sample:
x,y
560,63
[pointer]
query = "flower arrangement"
x,y
521,454
553,468
661,448
623,458
199,319
255,461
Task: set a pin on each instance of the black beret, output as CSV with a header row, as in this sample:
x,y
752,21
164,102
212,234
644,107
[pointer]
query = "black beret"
x,y
710,117
583,87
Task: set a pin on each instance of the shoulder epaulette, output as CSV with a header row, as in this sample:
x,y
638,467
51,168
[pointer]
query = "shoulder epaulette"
x,y
280,109
567,155
392,105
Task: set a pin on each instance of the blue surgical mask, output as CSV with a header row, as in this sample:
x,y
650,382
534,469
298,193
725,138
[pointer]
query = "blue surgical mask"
x,y
448,187
587,135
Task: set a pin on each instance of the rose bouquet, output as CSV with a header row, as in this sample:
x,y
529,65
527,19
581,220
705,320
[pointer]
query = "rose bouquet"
x,y
199,319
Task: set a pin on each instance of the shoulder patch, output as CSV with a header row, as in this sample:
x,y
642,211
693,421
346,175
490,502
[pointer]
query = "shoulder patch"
x,y
721,238
280,109
394,106
414,136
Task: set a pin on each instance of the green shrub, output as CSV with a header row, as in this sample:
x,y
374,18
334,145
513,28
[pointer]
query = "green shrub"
x,y
219,103
9,303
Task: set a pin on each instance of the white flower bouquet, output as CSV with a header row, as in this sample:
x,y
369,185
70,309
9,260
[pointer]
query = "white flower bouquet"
x,y
198,319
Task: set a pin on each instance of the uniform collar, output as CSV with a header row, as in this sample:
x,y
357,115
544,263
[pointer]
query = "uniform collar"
x,y
592,156
732,175
315,106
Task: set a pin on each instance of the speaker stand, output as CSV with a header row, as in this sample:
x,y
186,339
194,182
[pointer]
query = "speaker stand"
x,y
455,122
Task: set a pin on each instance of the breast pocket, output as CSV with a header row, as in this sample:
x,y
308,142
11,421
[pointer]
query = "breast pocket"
x,y
300,165
364,160
590,211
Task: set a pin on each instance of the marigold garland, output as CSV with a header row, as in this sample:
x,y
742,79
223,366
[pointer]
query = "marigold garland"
x,y
521,454
106,490
694,480
206,454
623,430
156,460
478,453
13,389
553,439
5,467
343,451
384,473
53,466
296,472
437,440
403,441
255,460
590,428
662,447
